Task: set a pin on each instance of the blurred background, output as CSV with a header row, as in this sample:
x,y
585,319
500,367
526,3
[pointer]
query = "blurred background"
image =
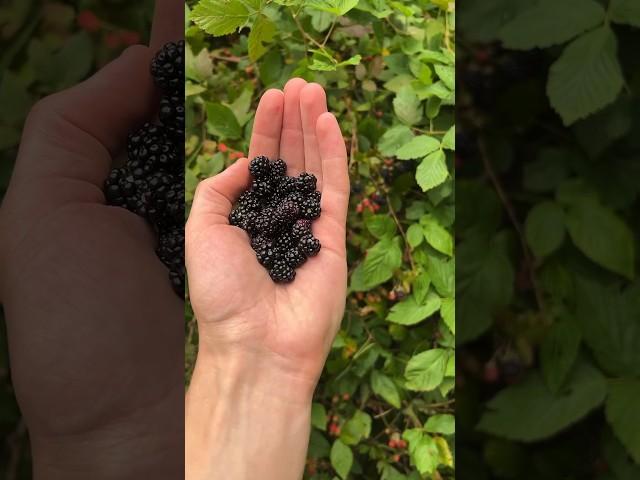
x,y
47,46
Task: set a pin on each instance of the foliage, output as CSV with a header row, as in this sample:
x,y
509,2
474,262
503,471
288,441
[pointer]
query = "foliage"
x,y
547,223
384,403
47,46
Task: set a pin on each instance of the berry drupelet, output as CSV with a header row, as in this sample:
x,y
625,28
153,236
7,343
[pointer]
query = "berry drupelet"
x,y
277,212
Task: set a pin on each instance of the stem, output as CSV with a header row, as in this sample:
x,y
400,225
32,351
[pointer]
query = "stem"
x,y
326,39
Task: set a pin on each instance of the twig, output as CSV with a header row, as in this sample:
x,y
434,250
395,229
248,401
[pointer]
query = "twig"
x,y
506,203
326,39
227,59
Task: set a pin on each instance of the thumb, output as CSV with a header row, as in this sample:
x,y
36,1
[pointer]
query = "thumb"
x,y
215,196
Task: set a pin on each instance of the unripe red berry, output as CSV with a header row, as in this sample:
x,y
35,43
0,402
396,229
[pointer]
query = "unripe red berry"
x,y
88,21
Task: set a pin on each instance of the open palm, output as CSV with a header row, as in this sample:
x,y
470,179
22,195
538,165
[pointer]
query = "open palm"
x,y
238,306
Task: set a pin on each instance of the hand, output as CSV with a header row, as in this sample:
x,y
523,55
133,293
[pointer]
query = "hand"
x,y
263,345
95,330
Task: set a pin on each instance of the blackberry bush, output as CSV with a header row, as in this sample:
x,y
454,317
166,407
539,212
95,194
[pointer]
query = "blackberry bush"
x,y
276,213
151,183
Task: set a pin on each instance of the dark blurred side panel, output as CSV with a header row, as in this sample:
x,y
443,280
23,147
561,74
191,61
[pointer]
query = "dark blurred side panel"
x,y
91,328
548,228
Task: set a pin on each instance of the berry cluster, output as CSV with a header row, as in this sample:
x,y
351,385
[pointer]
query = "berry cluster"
x,y
151,183
277,213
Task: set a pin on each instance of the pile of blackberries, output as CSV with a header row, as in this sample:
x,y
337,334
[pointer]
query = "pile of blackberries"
x,y
151,183
276,212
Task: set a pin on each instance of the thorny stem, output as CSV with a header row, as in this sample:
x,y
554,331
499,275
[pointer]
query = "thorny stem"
x,y
506,203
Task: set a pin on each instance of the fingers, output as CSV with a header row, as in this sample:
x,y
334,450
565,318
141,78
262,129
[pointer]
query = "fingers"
x,y
215,196
335,174
167,25
292,139
313,103
267,126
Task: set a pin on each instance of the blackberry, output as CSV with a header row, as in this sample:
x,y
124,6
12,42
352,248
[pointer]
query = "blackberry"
x,y
264,224
262,188
259,167
296,197
142,136
258,241
177,282
249,201
286,213
286,185
172,111
284,243
167,67
278,169
166,205
301,228
150,150
170,248
306,182
281,272
309,245
310,208
294,257
266,255
237,217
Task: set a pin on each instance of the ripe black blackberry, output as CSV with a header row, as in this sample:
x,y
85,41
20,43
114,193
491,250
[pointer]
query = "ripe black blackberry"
x,y
151,183
167,67
276,212
281,272
309,245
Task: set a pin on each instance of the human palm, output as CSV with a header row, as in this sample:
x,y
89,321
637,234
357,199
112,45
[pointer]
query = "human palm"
x,y
237,305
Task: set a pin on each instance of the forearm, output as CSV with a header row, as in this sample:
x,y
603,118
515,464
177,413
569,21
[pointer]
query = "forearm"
x,y
246,419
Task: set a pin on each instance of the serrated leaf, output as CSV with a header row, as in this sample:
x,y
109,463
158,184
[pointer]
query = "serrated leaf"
x,y
623,414
586,77
356,428
423,451
418,147
384,387
222,122
432,171
449,139
393,139
319,416
380,262
447,75
406,105
448,313
415,235
558,353
544,228
355,60
602,236
425,371
410,312
341,458
220,17
263,31
337,7
437,236
625,11
550,22
381,226
529,412
444,424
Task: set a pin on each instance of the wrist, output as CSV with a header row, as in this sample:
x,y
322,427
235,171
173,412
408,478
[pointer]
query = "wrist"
x,y
243,416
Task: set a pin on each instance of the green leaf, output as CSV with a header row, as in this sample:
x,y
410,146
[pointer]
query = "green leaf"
x,y
380,262
423,451
437,236
586,77
448,313
625,11
241,105
320,21
270,67
425,371
318,445
432,171
262,31
544,228
410,311
415,235
393,139
444,424
222,122
385,388
341,458
529,412
337,7
220,17
319,416
406,106
356,428
602,236
442,275
449,139
418,147
623,414
381,226
355,60
550,22
608,318
558,353
447,75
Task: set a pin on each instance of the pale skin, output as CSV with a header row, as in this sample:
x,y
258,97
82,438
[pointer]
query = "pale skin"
x,y
94,328
263,345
